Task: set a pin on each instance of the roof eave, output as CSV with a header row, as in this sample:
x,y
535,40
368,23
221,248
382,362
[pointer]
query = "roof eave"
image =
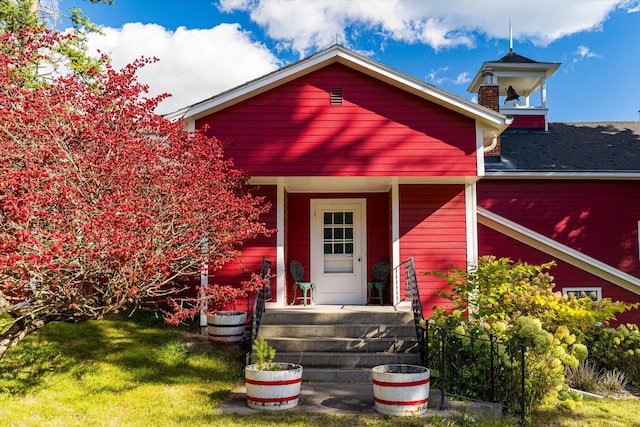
x,y
537,174
547,67
339,54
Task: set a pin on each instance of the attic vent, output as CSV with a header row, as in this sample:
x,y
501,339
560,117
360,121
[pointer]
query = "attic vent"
x,y
336,96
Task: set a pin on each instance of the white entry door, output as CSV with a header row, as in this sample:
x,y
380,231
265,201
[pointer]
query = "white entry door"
x,y
338,242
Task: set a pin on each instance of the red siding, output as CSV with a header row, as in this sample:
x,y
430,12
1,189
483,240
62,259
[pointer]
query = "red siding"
x,y
433,232
293,130
252,252
597,218
528,122
566,275
299,244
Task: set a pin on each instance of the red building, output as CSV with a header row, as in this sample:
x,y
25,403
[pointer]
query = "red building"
x,y
568,192
363,163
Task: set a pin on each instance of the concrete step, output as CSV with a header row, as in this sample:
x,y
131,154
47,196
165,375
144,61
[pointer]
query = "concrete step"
x,y
330,316
343,344
331,375
360,330
344,360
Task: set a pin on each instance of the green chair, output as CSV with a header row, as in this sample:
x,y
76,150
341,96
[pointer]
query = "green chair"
x,y
381,271
307,289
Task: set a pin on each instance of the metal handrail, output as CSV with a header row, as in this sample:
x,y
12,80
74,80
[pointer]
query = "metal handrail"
x,y
259,304
411,289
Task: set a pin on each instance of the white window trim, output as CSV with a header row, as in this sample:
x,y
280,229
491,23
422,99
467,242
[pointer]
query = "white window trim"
x,y
586,290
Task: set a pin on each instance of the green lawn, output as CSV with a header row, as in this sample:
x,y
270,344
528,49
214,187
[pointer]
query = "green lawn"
x,y
136,371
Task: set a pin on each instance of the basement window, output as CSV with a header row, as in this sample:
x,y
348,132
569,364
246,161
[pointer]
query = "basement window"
x,y
336,96
593,293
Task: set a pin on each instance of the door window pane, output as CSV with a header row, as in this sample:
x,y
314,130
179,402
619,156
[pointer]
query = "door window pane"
x,y
328,218
338,243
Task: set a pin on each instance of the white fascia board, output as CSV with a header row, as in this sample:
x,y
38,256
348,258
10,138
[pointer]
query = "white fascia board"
x,y
254,88
537,69
558,250
547,68
358,62
590,175
422,89
353,184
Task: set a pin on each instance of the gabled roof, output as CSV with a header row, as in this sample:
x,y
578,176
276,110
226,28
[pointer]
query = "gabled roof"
x,y
341,55
579,148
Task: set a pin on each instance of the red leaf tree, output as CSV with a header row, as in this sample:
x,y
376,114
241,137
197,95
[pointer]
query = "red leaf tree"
x,y
103,203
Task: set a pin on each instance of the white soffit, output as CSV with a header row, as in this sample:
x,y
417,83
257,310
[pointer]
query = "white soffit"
x,y
354,184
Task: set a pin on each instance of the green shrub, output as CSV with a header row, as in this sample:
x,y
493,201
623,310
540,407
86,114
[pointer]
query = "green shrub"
x,y
515,302
617,349
263,353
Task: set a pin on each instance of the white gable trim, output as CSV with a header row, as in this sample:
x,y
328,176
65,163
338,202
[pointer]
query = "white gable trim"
x,y
558,250
339,54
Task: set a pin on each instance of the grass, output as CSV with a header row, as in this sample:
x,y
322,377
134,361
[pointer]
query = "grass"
x,y
138,372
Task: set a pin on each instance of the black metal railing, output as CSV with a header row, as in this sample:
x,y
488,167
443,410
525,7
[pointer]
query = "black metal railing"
x,y
468,367
477,368
412,291
259,303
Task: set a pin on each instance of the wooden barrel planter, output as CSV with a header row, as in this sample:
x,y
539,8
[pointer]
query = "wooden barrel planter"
x,y
227,327
274,388
401,389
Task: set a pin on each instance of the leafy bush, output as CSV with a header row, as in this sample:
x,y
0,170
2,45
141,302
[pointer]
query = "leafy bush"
x,y
617,349
515,302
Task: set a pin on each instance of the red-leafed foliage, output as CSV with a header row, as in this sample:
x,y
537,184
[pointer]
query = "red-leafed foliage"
x,y
104,204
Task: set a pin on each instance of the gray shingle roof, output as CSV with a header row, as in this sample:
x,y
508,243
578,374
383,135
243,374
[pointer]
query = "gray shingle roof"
x,y
571,147
514,58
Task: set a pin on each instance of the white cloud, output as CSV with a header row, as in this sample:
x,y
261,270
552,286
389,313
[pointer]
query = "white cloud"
x,y
584,52
437,78
198,63
194,64
634,6
462,78
310,25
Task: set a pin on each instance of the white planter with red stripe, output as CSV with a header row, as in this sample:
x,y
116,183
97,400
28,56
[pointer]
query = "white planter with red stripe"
x,y
274,388
227,327
401,389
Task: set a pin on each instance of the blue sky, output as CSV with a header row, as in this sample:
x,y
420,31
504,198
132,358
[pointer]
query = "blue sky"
x,y
208,46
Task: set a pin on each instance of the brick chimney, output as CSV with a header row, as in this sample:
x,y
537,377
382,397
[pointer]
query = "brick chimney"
x,y
489,92
489,96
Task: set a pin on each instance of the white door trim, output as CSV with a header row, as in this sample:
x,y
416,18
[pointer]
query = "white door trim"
x,y
356,282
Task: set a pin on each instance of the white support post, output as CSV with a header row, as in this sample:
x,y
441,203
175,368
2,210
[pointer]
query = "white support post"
x,y
395,241
281,294
204,283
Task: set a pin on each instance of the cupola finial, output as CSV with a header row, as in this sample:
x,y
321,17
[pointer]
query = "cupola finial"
x,y
510,36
